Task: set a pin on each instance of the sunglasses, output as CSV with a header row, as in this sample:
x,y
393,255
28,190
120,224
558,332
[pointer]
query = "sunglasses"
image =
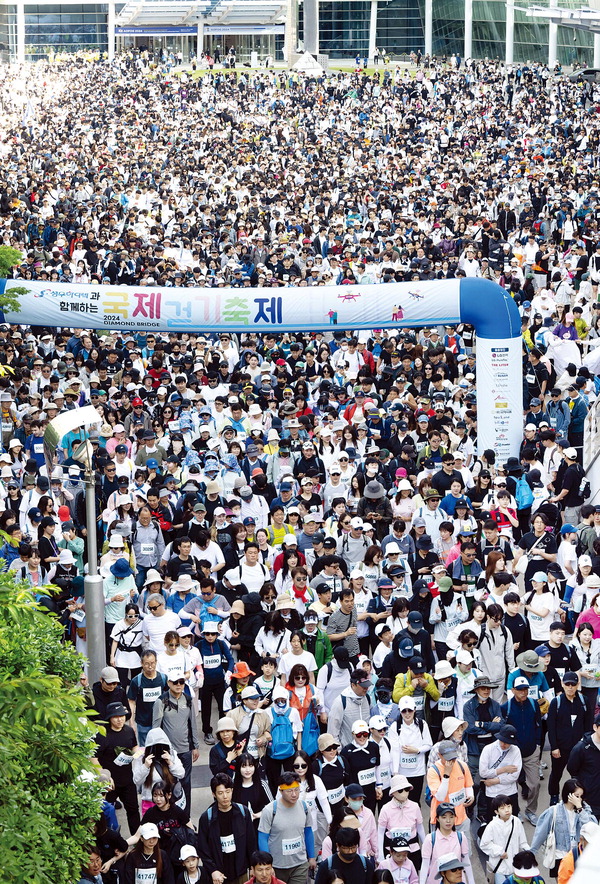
x,y
362,734
154,607
301,767
303,677
332,747
178,681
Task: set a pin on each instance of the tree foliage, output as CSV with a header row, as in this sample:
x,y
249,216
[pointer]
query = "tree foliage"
x,y
46,743
9,257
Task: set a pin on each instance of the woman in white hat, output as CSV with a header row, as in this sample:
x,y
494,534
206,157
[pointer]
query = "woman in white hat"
x,y
411,741
147,858
443,675
401,817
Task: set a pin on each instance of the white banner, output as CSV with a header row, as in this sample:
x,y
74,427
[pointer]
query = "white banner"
x,y
499,396
299,308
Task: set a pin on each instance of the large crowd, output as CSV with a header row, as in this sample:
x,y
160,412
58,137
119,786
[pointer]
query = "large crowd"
x,y
377,630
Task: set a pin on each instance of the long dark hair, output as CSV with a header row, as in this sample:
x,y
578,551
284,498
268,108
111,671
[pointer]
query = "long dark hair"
x,y
244,758
161,767
138,851
310,777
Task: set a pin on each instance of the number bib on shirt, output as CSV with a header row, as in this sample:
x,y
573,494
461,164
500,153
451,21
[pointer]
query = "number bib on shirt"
x,y
400,833
291,845
457,798
147,549
409,761
533,691
145,876
212,662
471,587
335,795
228,844
366,777
122,760
445,704
38,448
419,702
149,695
452,622
385,777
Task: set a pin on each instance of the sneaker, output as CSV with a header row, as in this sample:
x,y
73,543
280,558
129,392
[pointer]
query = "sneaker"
x,y
209,739
531,817
541,772
543,765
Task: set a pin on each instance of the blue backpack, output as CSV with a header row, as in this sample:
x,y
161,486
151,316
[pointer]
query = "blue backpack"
x,y
282,737
523,494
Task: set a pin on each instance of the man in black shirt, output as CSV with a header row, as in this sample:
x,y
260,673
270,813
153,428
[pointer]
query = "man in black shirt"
x,y
515,622
443,479
355,868
562,657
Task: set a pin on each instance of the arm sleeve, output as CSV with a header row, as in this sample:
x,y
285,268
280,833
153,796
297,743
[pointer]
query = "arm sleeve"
x,y
309,840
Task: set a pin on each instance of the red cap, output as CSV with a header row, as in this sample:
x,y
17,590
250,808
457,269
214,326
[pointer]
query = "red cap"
x,y
136,401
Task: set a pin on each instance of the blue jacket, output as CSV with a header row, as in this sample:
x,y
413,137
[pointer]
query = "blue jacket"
x,y
486,727
527,721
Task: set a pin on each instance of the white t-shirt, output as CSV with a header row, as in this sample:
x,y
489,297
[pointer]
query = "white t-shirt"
x,y
288,660
155,628
540,626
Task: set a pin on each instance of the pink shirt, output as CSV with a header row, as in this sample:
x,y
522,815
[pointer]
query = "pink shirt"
x,y
592,618
368,836
402,874
407,818
444,844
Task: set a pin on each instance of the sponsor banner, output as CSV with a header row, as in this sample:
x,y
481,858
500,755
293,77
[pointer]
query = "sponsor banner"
x,y
499,396
310,308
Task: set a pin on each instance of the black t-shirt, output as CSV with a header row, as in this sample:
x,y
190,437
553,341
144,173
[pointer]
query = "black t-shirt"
x,y
110,746
359,871
226,830
547,544
166,821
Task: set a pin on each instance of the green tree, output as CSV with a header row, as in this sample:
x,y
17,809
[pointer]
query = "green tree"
x,y
46,743
9,258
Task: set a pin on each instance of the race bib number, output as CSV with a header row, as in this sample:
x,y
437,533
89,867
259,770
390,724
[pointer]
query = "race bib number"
x,y
228,844
366,777
122,760
291,845
470,587
77,615
445,704
149,695
145,876
400,833
535,617
39,448
452,622
409,761
147,549
385,777
335,795
533,691
212,662
419,702
457,798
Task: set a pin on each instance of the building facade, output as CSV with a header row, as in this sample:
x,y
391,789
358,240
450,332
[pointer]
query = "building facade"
x,y
261,28
470,28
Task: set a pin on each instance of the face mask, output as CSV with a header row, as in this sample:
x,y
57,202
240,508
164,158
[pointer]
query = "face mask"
x,y
286,615
355,804
281,704
383,696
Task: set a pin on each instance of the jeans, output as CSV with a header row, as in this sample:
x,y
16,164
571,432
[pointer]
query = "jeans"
x,y
140,577
142,733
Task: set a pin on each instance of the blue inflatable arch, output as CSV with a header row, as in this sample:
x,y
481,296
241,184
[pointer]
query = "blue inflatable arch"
x,y
481,303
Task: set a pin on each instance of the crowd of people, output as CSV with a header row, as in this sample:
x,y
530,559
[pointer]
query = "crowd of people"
x,y
308,565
